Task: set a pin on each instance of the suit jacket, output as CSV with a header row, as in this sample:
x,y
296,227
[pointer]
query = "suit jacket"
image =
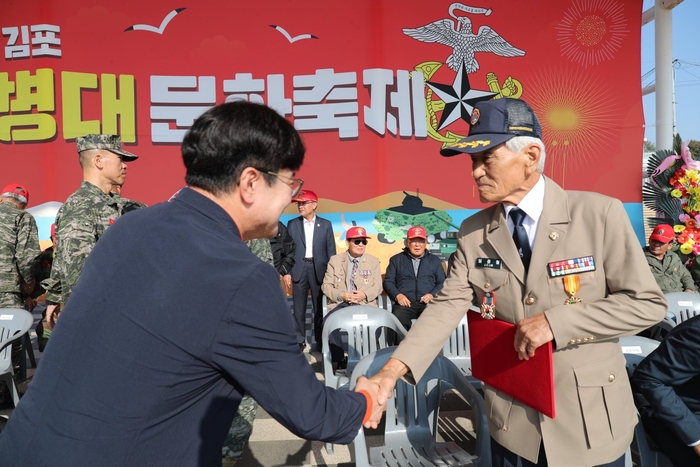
x,y
323,246
669,379
368,279
595,413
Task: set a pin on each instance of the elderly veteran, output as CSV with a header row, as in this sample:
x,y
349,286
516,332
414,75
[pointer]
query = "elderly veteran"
x,y
531,233
665,265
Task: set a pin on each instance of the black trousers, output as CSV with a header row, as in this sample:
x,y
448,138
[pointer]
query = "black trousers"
x,y
406,314
502,457
300,291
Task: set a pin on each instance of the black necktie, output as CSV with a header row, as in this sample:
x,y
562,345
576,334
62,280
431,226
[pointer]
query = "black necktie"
x,y
522,243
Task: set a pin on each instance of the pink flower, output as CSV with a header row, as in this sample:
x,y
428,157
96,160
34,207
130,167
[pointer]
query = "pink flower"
x,y
696,249
684,218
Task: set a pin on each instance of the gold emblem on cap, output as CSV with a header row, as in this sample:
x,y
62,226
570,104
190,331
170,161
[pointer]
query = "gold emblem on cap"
x,y
475,117
553,236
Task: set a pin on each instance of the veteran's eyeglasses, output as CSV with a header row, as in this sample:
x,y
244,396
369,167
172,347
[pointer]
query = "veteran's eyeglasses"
x,y
357,241
294,183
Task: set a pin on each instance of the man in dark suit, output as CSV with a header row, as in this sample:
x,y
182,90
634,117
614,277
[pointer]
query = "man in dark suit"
x,y
315,244
669,379
163,385
559,263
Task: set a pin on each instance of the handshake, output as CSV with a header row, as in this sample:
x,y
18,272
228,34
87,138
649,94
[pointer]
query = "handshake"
x,y
379,388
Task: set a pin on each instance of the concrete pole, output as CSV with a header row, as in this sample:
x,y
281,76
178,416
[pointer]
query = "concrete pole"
x,y
664,75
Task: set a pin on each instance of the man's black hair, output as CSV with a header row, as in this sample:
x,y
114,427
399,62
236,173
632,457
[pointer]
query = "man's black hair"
x,y
230,137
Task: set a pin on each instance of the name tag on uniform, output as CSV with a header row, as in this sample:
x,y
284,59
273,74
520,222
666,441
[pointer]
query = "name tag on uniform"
x,y
492,263
571,266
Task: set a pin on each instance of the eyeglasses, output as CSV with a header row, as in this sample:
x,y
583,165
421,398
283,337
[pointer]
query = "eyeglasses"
x,y
294,183
304,203
357,241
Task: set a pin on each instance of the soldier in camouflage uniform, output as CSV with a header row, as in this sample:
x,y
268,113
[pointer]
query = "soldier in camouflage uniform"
x,y
44,264
242,425
86,214
19,247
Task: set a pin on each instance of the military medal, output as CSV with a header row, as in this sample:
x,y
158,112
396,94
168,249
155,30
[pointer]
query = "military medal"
x,y
488,305
571,284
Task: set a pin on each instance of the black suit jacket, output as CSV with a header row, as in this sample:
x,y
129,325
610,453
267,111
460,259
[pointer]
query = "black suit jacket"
x,y
323,246
669,378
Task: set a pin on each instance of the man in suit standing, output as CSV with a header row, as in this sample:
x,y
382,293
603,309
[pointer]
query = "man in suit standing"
x,y
315,244
533,229
669,379
352,278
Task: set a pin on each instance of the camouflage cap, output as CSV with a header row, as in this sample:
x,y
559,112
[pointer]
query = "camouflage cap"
x,y
112,143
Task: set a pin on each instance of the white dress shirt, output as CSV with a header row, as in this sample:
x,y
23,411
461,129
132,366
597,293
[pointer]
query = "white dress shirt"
x,y
309,237
532,204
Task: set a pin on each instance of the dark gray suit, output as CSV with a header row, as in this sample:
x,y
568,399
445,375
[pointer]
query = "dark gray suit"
x,y
309,276
669,379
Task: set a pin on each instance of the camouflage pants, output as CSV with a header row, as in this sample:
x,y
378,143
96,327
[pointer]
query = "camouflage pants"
x,y
240,430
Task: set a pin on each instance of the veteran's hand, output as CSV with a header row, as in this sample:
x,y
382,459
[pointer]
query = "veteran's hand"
x,y
531,334
403,300
358,296
378,409
287,278
427,298
697,449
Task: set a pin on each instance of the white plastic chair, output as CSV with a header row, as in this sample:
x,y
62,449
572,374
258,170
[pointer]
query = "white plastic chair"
x,y
456,350
14,323
635,349
412,418
382,302
366,327
682,306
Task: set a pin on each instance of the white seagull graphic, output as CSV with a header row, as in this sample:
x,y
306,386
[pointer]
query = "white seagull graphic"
x,y
158,30
289,37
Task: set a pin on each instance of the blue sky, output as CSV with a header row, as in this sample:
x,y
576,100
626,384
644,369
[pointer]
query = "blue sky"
x,y
686,48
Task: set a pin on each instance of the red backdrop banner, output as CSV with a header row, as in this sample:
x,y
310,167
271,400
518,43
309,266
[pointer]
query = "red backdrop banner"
x,y
375,87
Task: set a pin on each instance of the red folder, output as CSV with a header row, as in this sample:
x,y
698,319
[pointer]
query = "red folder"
x,y
496,363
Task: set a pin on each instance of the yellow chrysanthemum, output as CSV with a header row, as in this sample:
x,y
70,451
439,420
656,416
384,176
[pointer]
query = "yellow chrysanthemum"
x,y
686,248
692,175
678,228
676,193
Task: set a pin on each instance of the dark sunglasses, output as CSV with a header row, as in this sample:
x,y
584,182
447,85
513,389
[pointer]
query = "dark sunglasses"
x,y
357,241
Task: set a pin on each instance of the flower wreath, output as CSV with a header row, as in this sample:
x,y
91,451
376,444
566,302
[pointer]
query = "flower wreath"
x,y
673,191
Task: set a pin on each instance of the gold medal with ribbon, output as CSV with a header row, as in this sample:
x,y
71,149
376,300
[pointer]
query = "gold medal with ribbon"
x,y
572,284
488,305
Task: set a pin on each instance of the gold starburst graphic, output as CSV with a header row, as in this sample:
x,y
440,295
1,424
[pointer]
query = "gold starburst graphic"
x,y
579,117
592,31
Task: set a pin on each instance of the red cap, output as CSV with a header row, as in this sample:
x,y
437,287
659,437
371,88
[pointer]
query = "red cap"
x,y
305,195
17,189
662,233
356,232
417,232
